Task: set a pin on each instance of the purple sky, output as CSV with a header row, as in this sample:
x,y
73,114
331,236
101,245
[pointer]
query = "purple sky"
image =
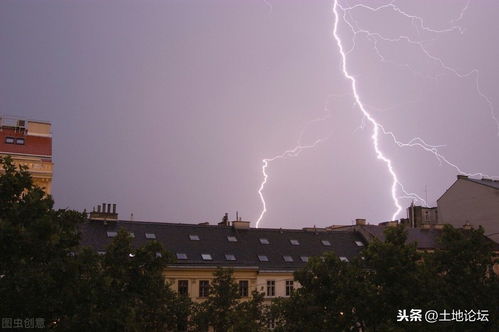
x,y
167,108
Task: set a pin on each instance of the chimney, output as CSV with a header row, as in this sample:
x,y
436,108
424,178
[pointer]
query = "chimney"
x,y
360,222
104,212
225,220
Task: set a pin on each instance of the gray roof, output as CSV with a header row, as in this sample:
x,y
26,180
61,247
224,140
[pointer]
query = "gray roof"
x,y
424,238
213,240
487,182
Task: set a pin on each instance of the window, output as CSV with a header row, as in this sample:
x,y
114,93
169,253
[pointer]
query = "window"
x,y
206,257
132,234
158,254
359,243
112,234
326,243
20,141
270,287
204,288
183,287
230,257
194,237
101,252
150,236
9,140
231,238
181,255
304,259
243,288
263,258
264,241
294,242
343,259
290,286
288,259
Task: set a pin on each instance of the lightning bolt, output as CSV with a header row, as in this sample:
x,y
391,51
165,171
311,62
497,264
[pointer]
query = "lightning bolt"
x,y
377,128
294,152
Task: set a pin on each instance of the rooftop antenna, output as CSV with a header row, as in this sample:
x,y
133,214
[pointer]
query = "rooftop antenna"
x,y
426,195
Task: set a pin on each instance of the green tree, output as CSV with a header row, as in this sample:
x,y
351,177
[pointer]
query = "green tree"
x,y
223,310
462,273
37,246
125,290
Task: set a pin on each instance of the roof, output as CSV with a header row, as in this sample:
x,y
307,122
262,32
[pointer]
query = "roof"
x,y
213,240
486,182
483,181
425,238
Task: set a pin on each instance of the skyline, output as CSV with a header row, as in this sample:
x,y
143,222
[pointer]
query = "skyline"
x,y
169,108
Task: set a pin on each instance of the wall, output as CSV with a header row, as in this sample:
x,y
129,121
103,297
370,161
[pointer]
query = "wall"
x,y
467,201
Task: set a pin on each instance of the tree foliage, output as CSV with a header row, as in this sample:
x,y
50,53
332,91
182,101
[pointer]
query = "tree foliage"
x,y
44,273
366,294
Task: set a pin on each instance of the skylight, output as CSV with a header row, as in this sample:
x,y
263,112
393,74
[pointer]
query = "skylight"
x,y
359,243
181,255
194,237
264,241
150,236
294,242
231,238
288,259
230,257
112,234
206,257
304,258
326,243
263,258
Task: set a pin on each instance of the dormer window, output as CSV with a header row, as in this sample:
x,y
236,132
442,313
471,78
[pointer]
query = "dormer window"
x,y
194,237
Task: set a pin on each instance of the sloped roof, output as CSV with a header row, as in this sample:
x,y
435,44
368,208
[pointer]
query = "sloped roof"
x,y
213,240
486,182
424,238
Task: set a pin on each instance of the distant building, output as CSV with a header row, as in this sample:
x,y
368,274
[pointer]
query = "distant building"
x,y
29,143
472,202
420,215
263,259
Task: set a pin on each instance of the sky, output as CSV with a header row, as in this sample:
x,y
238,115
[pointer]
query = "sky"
x,y
169,108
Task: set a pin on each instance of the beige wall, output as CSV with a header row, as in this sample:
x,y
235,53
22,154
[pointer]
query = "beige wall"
x,y
466,201
257,280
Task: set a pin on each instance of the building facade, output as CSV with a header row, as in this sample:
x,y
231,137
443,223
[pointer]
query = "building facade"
x,y
472,202
29,143
262,259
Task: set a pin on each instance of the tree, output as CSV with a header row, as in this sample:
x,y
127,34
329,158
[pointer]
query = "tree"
x,y
224,311
45,274
37,246
462,271
125,290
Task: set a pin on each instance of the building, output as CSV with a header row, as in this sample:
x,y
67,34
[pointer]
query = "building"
x,y
472,202
420,215
263,259
29,143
